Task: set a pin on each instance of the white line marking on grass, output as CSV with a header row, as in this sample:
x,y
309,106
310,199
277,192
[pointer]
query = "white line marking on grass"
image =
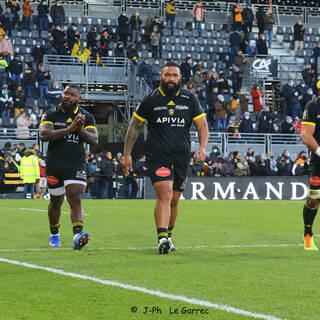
x,y
157,293
43,210
144,248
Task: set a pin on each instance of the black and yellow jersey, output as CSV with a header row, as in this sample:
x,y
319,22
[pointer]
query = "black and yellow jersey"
x,y
169,120
311,116
68,151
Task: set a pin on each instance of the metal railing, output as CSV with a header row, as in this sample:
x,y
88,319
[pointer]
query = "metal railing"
x,y
262,143
115,71
9,134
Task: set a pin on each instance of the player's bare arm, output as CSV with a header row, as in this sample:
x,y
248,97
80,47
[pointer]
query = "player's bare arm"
x,y
48,133
307,137
203,134
89,135
130,139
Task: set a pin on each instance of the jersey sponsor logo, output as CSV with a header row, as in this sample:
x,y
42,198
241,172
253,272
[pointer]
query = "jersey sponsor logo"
x,y
61,124
163,172
72,137
183,96
160,108
171,120
181,107
315,181
171,112
52,180
171,103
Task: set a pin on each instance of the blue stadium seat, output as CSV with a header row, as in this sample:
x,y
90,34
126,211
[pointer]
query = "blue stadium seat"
x,y
289,30
25,34
44,34
191,40
182,40
315,31
30,42
34,34
42,103
280,30
210,41
17,41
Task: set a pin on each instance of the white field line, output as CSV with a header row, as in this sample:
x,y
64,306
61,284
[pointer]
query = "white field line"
x,y
145,248
157,293
43,210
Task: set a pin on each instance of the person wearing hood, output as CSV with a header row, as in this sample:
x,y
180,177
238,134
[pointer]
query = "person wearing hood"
x,y
29,172
251,49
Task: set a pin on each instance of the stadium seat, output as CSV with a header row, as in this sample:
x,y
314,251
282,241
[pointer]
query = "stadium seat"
x,y
182,40
315,31
30,103
176,33
22,50
191,41
300,53
42,103
30,42
44,34
214,34
25,34
280,30
17,41
14,33
178,47
289,30
286,37
34,34
201,41
28,58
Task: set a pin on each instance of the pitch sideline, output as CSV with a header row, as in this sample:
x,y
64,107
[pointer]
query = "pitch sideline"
x,y
145,290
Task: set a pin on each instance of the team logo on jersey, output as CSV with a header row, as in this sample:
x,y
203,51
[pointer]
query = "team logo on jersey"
x,y
81,174
69,120
171,112
171,103
52,180
163,172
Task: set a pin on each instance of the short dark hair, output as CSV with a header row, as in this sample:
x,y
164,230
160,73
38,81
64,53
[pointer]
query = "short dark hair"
x,y
74,86
171,64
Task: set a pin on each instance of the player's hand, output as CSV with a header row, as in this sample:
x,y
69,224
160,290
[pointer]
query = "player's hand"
x,y
200,155
77,123
80,119
127,165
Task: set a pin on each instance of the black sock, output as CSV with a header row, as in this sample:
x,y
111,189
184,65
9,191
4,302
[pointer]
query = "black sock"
x,y
54,229
162,233
77,227
308,218
170,232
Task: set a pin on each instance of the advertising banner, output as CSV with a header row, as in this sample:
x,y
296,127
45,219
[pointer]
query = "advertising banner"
x,y
241,188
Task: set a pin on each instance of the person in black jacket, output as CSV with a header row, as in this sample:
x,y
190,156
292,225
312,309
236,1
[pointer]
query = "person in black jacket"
x,y
186,71
248,18
105,41
284,164
266,118
307,75
92,38
29,79
262,45
15,68
235,40
8,21
14,9
19,101
57,14
43,11
107,170
316,55
73,35
298,35
37,53
44,77
123,28
58,35
260,19
287,126
135,23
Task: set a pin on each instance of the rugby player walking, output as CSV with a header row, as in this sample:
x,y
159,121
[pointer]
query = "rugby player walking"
x,y
169,112
67,127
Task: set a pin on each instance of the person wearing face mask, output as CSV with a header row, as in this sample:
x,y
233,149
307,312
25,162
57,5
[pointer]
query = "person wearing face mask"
x,y
298,36
251,49
302,89
119,51
135,22
308,96
287,126
15,68
246,125
67,127
248,18
37,53
6,103
6,48
54,94
257,100
43,11
57,14
123,28
145,72
262,45
19,101
284,164
27,14
155,69
293,105
220,111
107,168
29,80
268,26
73,35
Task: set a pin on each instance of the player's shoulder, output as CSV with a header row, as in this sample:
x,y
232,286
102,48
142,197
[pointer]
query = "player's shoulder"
x,y
85,112
50,114
314,104
186,94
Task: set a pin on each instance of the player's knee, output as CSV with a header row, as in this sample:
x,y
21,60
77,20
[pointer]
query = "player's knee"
x,y
56,203
174,203
313,203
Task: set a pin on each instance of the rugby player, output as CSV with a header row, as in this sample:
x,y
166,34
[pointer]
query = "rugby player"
x,y
67,127
169,111
311,138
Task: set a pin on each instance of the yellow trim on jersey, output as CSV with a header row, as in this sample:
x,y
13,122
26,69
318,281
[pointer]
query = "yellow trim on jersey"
x,y
309,123
199,116
139,118
44,122
76,110
178,92
161,91
88,127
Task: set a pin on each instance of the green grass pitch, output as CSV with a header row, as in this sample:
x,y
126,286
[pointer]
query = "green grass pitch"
x,y
276,281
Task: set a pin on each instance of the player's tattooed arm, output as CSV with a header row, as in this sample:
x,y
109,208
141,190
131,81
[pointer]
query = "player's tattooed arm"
x,y
203,134
130,139
307,133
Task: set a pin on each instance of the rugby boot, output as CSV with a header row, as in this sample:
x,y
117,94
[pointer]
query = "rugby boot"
x,y
309,244
55,240
80,240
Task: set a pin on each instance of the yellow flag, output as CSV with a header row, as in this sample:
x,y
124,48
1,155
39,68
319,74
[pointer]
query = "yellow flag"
x,y
80,52
100,62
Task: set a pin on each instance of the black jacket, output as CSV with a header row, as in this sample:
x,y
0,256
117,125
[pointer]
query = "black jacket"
x,y
262,47
57,12
235,39
91,39
247,15
43,78
15,66
186,70
19,99
123,25
107,167
29,77
42,10
298,32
